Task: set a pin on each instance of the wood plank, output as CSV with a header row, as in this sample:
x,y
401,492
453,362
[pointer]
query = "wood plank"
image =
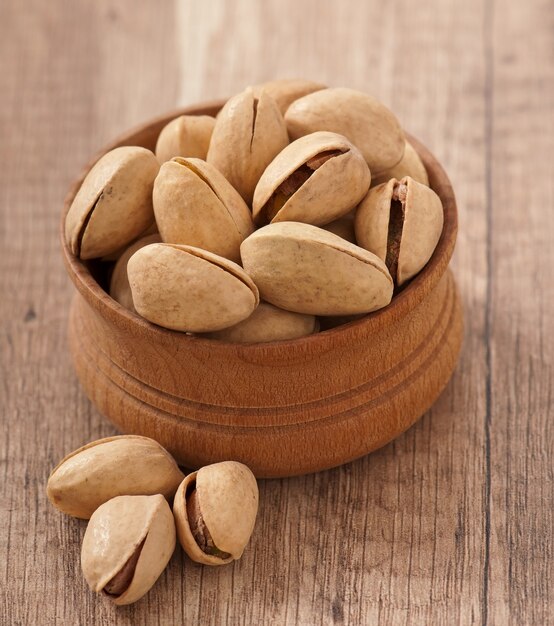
x,y
520,139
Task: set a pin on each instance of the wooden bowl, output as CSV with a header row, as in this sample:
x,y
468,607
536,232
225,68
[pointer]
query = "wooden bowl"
x,y
283,408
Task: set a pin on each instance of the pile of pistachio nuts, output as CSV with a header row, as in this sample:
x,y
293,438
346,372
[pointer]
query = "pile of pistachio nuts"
x,y
297,208
124,485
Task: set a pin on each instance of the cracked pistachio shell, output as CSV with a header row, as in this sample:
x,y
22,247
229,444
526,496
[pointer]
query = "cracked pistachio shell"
x,y
114,466
343,227
127,544
120,290
314,180
185,136
306,269
227,501
249,132
365,121
269,323
189,289
286,90
114,204
410,165
196,206
401,222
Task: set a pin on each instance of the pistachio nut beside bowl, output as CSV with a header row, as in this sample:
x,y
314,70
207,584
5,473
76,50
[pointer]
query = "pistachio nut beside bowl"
x,y
268,323
120,290
362,119
103,469
195,205
189,289
215,511
114,203
401,222
315,179
306,269
249,132
185,136
127,545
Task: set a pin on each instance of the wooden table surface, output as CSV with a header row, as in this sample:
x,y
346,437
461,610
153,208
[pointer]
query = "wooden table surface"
x,y
450,524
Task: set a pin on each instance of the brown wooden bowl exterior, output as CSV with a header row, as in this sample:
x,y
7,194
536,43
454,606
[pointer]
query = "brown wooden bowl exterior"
x,y
283,408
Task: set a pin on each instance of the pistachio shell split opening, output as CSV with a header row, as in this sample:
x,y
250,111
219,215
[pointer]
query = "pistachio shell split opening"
x,y
103,469
128,542
185,136
315,179
249,132
114,204
306,269
401,222
196,206
215,511
189,289
362,119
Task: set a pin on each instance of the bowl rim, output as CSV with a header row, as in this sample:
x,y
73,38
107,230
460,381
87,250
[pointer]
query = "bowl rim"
x,y
402,303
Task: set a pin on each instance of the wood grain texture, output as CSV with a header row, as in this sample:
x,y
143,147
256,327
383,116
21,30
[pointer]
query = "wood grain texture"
x,y
451,523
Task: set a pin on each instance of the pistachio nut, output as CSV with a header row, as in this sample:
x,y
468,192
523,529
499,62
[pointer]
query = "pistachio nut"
x,y
286,90
127,544
249,132
314,180
306,269
215,511
185,136
114,466
401,222
365,121
410,165
189,289
120,290
343,227
196,206
268,323
114,204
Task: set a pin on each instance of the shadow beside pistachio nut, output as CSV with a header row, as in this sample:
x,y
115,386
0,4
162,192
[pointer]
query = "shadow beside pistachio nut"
x,y
215,511
128,542
103,469
401,222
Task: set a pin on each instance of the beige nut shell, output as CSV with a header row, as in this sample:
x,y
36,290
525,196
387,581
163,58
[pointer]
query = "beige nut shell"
x,y
268,323
228,499
195,205
114,466
365,121
115,531
189,289
286,90
185,136
421,230
306,269
331,191
120,290
410,165
114,204
248,133
343,227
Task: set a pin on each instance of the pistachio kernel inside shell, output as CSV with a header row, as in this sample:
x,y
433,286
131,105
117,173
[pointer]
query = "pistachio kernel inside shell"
x,y
294,181
198,527
121,581
396,225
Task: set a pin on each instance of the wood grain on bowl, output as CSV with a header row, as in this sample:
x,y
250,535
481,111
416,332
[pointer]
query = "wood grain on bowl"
x,y
283,408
